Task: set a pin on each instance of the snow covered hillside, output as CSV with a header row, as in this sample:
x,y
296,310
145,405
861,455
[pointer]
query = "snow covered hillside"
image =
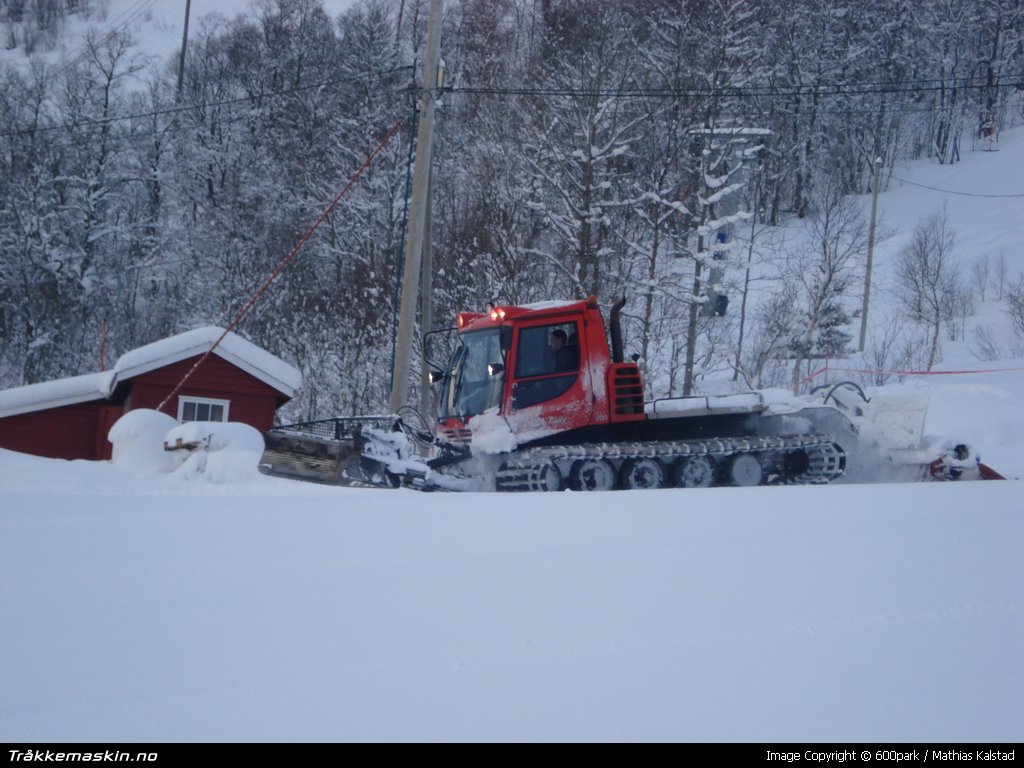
x,y
984,197
156,25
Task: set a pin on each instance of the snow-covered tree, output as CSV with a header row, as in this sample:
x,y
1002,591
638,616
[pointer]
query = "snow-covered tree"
x,y
821,268
929,276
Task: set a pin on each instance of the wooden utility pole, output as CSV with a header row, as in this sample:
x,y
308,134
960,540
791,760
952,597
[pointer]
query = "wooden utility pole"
x,y
871,252
417,211
398,25
427,304
184,42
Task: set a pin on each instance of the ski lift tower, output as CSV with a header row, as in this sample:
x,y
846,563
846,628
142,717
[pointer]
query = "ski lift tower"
x,y
742,144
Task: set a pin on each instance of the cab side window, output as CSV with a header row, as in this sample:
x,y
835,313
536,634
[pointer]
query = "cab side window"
x,y
547,349
547,362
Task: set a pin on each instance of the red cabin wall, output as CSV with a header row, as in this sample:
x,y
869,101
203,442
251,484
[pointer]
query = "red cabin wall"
x,y
252,401
67,432
105,419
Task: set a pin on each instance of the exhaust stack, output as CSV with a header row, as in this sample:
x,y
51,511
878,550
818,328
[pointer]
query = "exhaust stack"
x,y
615,329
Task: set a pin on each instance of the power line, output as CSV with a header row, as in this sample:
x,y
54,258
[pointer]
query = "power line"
x,y
215,139
103,121
951,191
208,105
772,92
782,101
748,92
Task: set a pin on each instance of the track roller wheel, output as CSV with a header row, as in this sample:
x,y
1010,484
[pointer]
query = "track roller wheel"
x,y
745,469
547,477
592,475
640,474
795,463
696,472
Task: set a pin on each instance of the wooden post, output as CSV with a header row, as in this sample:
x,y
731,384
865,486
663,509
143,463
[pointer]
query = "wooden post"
x,y
871,252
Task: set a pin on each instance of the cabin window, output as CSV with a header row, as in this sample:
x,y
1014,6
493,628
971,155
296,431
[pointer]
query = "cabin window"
x,y
202,409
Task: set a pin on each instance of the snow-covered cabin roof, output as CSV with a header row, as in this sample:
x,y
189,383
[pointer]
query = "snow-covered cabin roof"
x,y
233,348
54,394
97,386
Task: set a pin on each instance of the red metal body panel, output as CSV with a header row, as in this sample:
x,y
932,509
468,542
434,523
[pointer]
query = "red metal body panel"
x,y
572,409
626,392
987,473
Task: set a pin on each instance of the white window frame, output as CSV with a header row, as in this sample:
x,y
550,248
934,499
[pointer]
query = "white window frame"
x,y
183,399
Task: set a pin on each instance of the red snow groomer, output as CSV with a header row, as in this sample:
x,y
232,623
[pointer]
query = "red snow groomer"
x,y
536,398
540,397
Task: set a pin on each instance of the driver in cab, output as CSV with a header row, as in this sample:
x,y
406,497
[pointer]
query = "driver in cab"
x,y
564,358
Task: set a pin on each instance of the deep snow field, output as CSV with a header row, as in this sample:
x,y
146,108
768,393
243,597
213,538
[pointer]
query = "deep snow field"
x,y
158,609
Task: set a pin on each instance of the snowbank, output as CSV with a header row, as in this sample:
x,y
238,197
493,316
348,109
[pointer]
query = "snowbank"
x,y
137,440
491,433
219,452
150,442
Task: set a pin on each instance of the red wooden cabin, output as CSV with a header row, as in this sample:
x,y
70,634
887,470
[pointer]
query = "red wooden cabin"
x,y
70,418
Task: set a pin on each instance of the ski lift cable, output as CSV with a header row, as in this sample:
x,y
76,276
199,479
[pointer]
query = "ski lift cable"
x,y
284,262
953,191
107,33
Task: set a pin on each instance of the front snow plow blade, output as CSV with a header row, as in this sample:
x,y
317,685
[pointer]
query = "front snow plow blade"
x,y
327,451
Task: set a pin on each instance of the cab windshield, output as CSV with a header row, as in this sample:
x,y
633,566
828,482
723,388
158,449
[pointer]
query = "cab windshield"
x,y
470,388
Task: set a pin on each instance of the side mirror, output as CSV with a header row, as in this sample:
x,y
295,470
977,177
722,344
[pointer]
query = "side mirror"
x,y
435,376
493,369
